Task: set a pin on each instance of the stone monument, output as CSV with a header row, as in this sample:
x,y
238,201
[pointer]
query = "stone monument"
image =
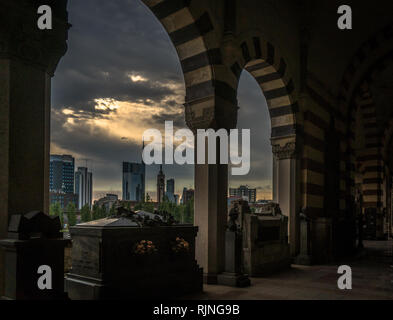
x,y
233,275
133,255
265,241
34,240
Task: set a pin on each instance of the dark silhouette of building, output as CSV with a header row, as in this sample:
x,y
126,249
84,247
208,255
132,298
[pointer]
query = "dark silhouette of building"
x,y
188,195
170,190
244,192
160,185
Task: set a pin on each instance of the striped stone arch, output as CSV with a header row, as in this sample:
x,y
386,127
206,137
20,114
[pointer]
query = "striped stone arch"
x,y
370,161
201,61
386,141
370,52
264,61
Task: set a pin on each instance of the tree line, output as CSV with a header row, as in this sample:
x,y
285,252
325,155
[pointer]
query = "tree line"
x,y
184,213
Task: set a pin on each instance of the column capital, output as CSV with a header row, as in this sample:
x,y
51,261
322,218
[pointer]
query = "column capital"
x,y
211,112
284,149
21,39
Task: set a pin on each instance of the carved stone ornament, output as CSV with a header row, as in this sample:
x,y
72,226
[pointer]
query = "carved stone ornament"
x,y
286,151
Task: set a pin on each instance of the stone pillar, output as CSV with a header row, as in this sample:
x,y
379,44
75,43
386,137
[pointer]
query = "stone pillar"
x,y
211,187
305,256
286,187
28,59
211,184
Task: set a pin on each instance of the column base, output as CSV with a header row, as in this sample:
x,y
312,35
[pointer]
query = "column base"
x,y
210,278
303,260
233,280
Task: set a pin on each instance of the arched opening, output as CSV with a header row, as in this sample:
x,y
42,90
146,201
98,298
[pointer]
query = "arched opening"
x,y
253,114
116,81
273,78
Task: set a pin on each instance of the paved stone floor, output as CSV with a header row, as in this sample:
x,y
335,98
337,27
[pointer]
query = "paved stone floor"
x,y
372,273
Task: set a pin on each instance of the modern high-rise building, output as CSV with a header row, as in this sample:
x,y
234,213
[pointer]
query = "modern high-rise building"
x,y
176,197
170,190
160,185
61,180
188,195
244,192
84,187
61,173
134,181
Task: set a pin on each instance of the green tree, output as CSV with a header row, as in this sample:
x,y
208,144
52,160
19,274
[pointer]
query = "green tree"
x,y
112,211
189,212
95,212
98,212
138,206
85,213
104,211
71,213
55,210
147,205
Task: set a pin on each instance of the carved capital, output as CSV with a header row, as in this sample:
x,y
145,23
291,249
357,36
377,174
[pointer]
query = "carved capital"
x,y
286,151
211,112
21,39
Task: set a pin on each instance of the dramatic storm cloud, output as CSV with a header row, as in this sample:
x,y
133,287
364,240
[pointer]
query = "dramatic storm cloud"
x,y
121,76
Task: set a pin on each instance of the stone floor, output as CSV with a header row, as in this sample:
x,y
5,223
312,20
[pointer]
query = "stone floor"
x,y
372,273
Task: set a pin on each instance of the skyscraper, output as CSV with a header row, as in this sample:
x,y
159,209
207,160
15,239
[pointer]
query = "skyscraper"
x,y
84,187
134,181
170,190
61,180
188,195
160,185
61,173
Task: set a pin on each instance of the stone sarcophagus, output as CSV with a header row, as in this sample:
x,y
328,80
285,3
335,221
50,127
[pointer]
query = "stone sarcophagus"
x,y
117,258
34,250
265,241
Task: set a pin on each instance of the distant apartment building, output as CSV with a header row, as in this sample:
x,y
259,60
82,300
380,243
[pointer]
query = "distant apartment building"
x,y
61,173
134,175
244,192
188,195
63,199
107,201
61,180
84,187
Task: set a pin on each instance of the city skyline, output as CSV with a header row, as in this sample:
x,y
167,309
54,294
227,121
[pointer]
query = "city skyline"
x,y
59,171
103,100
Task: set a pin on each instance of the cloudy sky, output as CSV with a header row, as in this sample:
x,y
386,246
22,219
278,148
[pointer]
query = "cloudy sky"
x,y
121,76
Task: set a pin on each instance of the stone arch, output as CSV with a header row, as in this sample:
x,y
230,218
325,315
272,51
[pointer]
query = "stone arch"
x,y
210,102
369,53
265,63
370,161
375,138
355,94
387,141
269,68
195,41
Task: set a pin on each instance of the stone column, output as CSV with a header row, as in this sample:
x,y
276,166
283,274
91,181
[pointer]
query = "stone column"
x,y
286,187
28,59
211,185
